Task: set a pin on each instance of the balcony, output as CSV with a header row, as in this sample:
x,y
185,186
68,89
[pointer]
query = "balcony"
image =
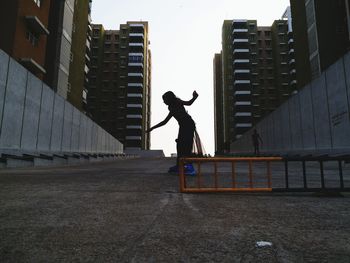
x,y
236,82
137,85
291,51
133,138
135,44
34,23
137,25
240,30
135,75
240,50
243,125
241,71
239,21
134,95
291,61
240,40
241,61
139,106
134,116
242,92
32,65
136,54
131,64
243,114
134,127
242,103
136,35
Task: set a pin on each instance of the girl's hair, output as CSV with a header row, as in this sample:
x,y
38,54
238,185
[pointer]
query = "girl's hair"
x,y
169,97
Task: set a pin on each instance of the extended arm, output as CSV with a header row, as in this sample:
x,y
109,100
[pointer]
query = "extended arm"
x,y
189,102
162,123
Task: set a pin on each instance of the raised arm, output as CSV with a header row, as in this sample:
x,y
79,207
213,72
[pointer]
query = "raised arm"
x,y
162,123
189,102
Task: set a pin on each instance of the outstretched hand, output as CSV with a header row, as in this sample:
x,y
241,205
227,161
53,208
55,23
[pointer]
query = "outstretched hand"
x,y
195,94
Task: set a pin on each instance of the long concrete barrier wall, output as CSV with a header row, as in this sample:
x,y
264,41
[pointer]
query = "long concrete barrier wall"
x,y
316,119
34,118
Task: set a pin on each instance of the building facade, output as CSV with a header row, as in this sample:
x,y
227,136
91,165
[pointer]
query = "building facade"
x,y
24,31
58,52
321,35
80,55
119,94
218,107
258,73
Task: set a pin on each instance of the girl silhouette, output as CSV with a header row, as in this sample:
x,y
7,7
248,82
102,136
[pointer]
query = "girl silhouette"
x,y
184,141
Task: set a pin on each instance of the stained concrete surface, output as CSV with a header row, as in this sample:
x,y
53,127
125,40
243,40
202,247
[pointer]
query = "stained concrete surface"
x,y
131,211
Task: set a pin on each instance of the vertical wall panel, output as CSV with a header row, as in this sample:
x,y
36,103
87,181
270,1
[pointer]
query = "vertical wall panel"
x,y
57,124
82,133
270,141
31,113
14,106
295,123
321,114
4,63
347,76
338,105
285,127
75,130
89,135
307,118
94,135
67,127
45,120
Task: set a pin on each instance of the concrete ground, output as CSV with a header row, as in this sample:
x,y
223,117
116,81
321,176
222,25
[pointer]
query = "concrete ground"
x,y
131,211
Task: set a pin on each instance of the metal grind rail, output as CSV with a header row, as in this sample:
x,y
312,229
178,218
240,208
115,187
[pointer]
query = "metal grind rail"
x,y
292,174
235,184
340,175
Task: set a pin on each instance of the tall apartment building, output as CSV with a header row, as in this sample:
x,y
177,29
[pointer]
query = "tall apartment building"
x,y
321,34
218,109
80,55
119,94
258,73
58,53
24,31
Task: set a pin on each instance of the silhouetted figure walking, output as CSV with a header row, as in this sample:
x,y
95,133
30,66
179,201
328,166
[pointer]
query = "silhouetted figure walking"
x,y
256,139
184,141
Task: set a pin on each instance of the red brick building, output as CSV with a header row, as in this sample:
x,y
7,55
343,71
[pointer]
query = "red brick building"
x,y
23,32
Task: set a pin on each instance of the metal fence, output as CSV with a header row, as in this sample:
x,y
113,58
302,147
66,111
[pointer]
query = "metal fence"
x,y
266,174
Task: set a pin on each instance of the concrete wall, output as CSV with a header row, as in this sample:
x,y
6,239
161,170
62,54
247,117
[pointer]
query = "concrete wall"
x,y
316,119
33,118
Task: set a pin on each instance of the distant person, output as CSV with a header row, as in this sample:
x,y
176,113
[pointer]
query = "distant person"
x,y
256,139
184,141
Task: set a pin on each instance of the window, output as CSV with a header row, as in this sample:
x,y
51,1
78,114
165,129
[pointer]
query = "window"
x,y
33,38
38,2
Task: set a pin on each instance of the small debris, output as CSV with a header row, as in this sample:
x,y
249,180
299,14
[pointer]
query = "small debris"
x,y
263,244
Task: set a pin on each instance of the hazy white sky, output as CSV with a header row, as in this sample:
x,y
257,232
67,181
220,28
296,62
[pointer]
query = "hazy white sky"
x,y
184,35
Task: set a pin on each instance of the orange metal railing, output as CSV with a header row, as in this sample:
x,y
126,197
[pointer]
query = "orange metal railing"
x,y
234,187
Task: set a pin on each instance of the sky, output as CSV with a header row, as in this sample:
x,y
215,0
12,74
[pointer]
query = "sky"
x,y
184,37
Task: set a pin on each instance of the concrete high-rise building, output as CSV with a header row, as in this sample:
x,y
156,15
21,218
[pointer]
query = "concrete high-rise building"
x,y
80,55
119,94
321,35
258,73
23,32
58,53
218,106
